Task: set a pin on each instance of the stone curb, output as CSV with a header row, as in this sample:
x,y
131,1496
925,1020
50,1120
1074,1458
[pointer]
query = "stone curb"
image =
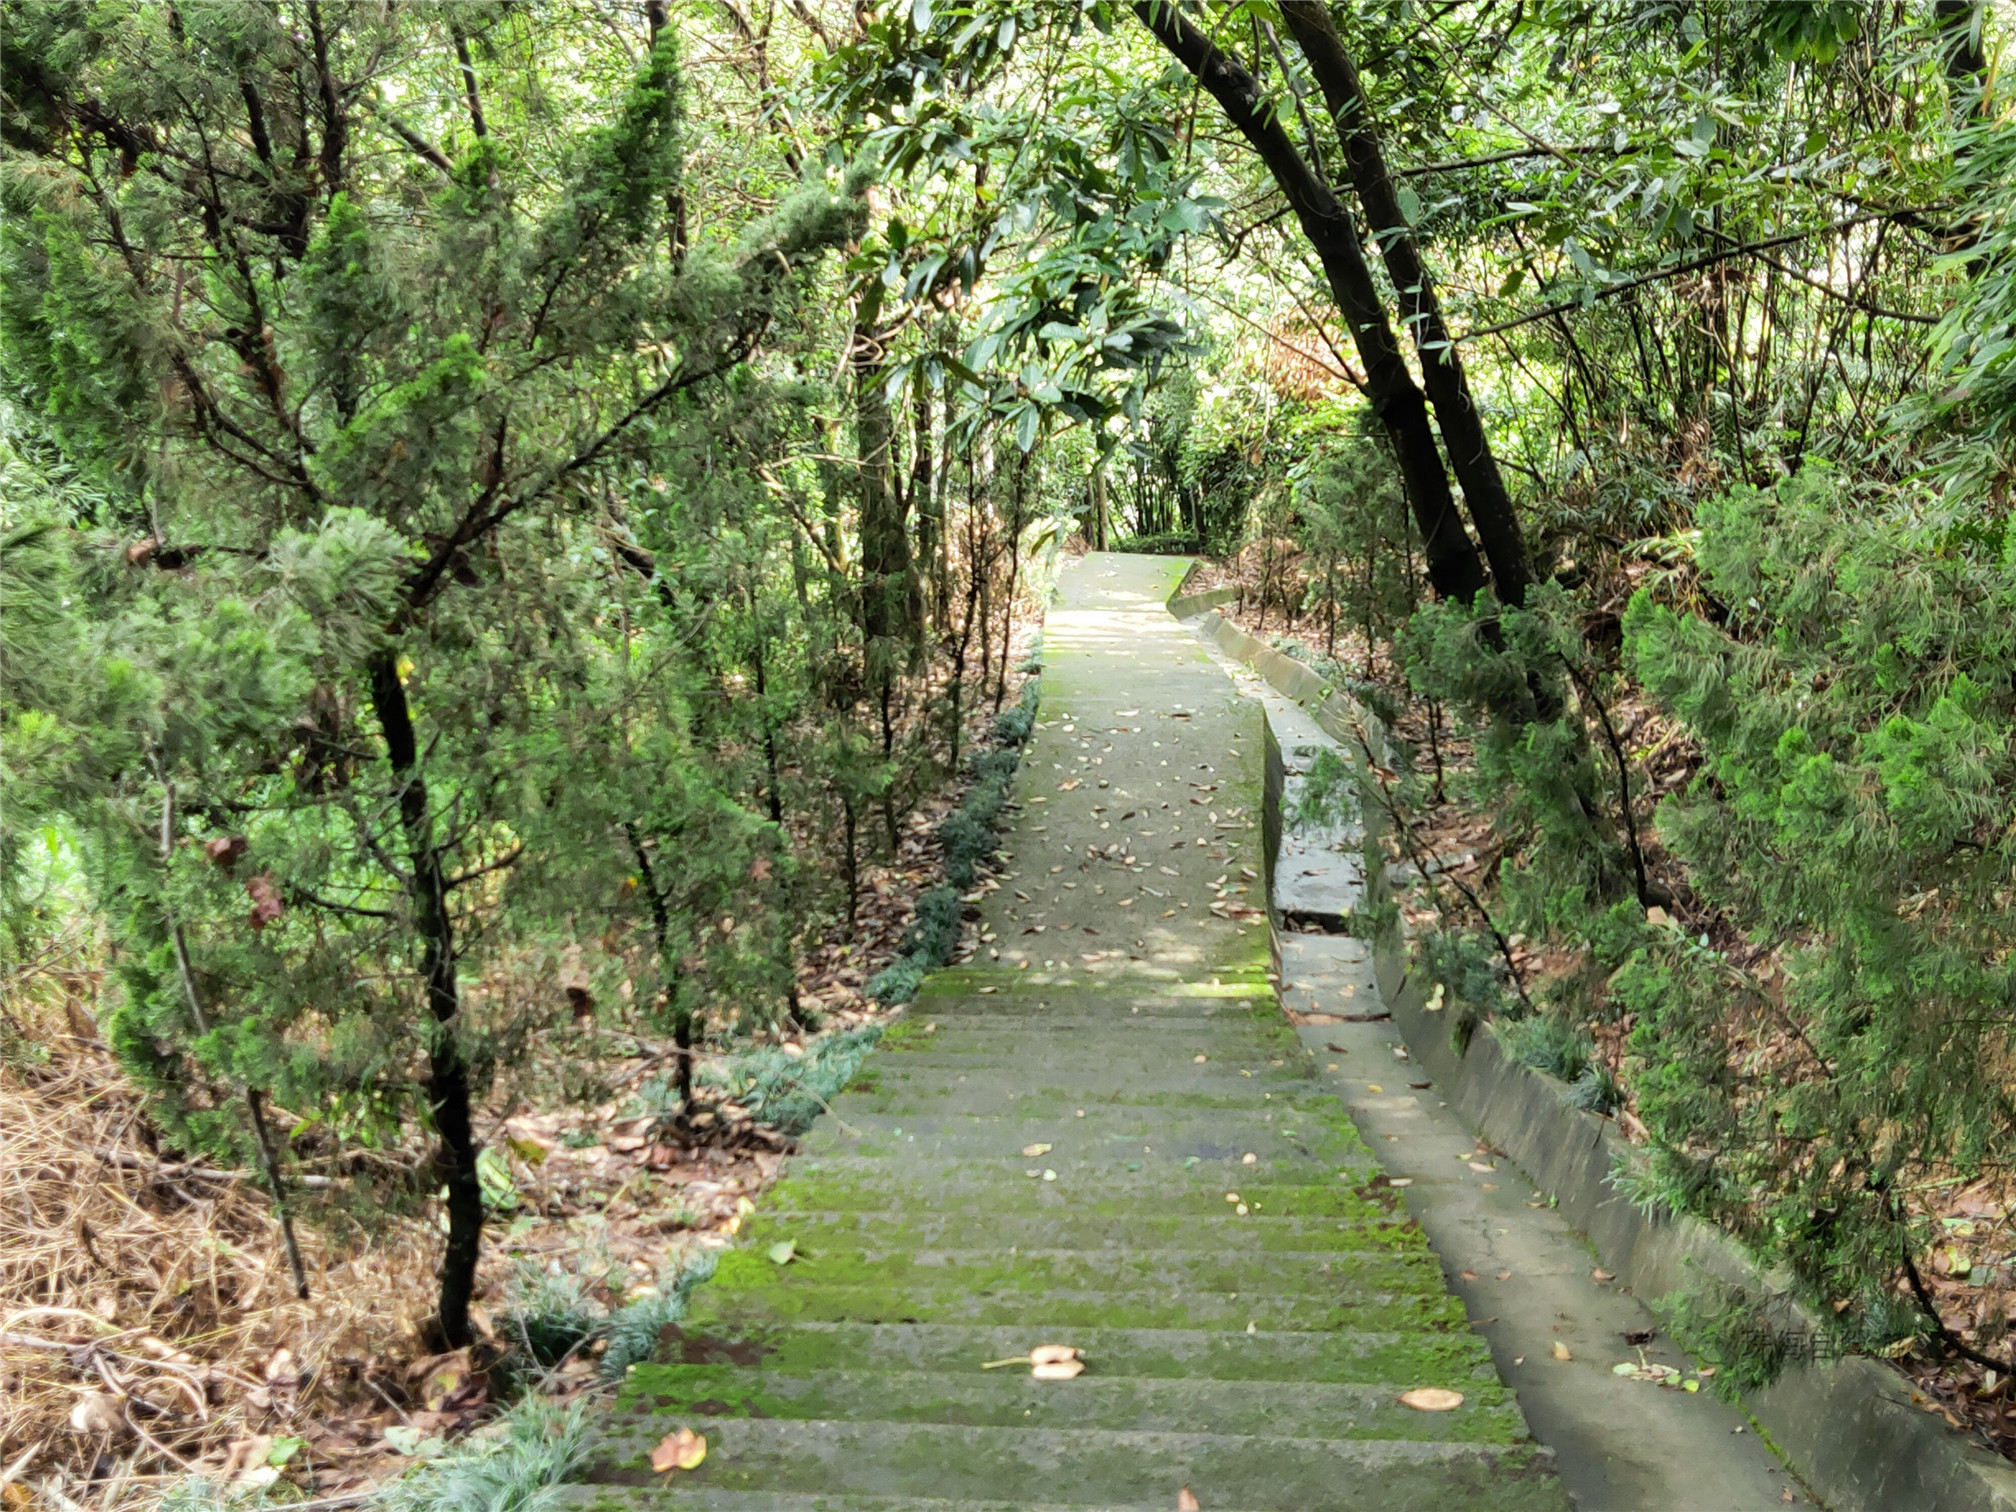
x,y
1196,603
1853,1429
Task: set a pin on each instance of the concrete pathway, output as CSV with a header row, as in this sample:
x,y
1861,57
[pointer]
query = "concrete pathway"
x,y
1528,1280
1102,1134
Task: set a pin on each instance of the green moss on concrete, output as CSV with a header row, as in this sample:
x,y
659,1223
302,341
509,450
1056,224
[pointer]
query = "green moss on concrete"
x,y
1010,1399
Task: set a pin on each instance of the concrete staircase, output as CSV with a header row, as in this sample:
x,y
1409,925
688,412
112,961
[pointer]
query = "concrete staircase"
x,y
1103,1135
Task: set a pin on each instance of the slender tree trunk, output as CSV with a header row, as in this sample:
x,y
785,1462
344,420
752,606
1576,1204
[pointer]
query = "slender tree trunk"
x,y
448,1095
775,790
890,611
668,972
929,504
1330,606
1442,372
1453,565
889,789
888,583
850,868
255,1098
985,568
1013,544
974,568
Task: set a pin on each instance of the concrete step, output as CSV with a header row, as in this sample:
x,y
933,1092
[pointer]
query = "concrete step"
x,y
1028,1466
1009,1398
994,1272
893,1087
674,1498
1404,1306
941,1041
1233,1004
1374,1228
1124,1069
1348,1355
972,1190
1101,1136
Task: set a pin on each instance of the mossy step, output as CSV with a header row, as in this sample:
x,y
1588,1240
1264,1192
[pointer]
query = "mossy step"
x,y
1221,1138
1084,1074
1376,1227
1091,1007
924,1030
998,1094
972,1191
890,1086
998,1272
1010,1398
996,1099
993,1094
1345,1355
1242,1046
981,980
1035,1031
1027,1466
1402,1306
671,1497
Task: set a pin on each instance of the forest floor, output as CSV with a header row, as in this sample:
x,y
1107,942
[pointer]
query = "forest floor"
x,y
1972,1272
147,1326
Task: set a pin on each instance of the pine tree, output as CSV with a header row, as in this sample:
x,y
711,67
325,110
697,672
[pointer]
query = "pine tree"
x,y
352,343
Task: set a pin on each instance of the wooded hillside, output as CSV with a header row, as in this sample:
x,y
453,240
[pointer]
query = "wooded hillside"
x,y
524,524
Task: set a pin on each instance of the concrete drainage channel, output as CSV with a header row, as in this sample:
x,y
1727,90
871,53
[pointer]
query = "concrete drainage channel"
x,y
1553,1267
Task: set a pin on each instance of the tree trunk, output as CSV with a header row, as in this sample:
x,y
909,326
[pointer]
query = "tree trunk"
x,y
1442,372
255,1098
1453,565
447,1073
1014,549
775,789
888,585
850,869
929,502
668,972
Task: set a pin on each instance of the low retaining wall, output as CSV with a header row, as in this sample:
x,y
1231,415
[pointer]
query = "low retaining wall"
x,y
1196,603
1853,1429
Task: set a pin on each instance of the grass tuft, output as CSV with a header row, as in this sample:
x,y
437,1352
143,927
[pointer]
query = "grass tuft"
x,y
519,1465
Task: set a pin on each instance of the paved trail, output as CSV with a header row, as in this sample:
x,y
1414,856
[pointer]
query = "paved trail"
x,y
1528,1279
1101,1134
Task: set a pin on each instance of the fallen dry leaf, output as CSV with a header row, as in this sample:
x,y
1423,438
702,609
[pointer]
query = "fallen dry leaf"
x,y
1057,1370
97,1412
1644,1370
1432,1399
1561,1351
1185,1502
1031,1151
1600,1275
1054,1354
682,1449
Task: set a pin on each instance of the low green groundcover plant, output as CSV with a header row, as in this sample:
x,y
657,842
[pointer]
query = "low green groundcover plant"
x,y
966,835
